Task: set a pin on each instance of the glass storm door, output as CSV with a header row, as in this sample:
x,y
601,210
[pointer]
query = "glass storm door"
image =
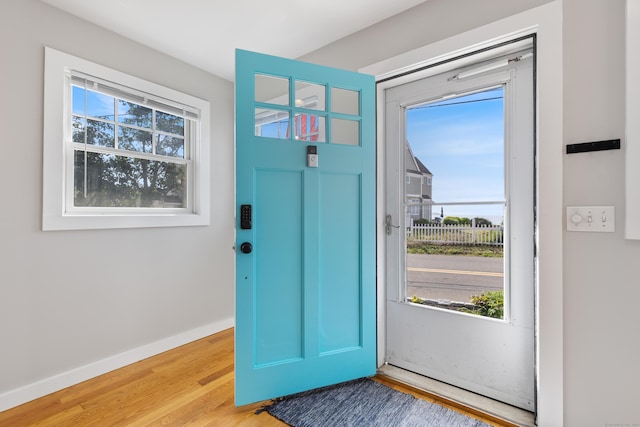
x,y
459,189
305,240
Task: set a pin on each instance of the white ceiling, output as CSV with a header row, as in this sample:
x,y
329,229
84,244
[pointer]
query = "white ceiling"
x,y
205,33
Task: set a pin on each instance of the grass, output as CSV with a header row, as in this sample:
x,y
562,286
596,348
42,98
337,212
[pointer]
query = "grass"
x,y
450,249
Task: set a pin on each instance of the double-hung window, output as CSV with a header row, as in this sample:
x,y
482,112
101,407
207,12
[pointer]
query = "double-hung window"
x,y
121,151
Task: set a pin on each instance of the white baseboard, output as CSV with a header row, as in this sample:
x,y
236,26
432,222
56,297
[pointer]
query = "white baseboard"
x,y
49,385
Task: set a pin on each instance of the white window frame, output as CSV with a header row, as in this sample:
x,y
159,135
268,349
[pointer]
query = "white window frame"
x,y
58,212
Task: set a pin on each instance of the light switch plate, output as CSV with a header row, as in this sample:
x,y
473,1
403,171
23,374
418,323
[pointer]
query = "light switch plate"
x,y
600,219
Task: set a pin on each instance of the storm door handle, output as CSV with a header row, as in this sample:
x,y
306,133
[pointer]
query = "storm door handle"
x,y
388,225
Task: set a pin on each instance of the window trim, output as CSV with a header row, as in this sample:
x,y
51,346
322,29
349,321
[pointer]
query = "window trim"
x,y
55,215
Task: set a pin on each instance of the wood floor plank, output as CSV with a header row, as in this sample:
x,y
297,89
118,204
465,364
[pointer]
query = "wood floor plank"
x,y
184,403
192,385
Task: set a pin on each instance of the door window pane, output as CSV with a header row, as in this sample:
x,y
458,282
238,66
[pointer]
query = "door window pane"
x,y
345,101
460,141
310,95
455,221
272,90
309,127
272,123
345,132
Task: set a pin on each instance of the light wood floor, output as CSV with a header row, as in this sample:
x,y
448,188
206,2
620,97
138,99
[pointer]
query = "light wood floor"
x,y
190,385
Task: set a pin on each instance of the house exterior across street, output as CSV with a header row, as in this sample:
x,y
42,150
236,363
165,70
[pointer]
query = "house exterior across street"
x,y
419,184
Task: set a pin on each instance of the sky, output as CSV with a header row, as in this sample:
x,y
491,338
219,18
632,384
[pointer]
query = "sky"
x,y
461,141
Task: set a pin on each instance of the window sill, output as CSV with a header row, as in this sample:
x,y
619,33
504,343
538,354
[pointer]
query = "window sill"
x,y
111,221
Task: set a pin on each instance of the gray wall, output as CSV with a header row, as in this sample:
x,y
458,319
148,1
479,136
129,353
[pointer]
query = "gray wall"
x,y
426,23
601,284
68,299
601,279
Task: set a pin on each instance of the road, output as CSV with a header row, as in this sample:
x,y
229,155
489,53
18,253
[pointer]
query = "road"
x,y
452,277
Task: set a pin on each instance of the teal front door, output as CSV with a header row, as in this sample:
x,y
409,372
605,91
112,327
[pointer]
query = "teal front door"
x,y
305,220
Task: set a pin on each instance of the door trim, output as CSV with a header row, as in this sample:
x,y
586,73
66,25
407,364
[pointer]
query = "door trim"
x,y
546,22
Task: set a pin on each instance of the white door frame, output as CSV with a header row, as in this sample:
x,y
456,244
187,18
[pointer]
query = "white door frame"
x,y
546,22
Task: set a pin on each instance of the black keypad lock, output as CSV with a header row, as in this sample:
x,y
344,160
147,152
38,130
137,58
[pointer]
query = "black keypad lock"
x,y
245,217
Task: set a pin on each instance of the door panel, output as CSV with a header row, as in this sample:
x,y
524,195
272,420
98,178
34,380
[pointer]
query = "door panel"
x,y
466,360
305,294
340,313
279,229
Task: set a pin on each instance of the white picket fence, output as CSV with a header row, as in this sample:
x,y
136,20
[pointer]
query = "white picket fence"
x,y
456,234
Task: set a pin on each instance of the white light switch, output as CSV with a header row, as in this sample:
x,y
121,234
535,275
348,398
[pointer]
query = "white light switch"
x,y
591,218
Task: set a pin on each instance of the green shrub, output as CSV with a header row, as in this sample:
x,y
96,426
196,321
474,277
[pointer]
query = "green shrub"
x,y
417,300
455,220
482,222
490,304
